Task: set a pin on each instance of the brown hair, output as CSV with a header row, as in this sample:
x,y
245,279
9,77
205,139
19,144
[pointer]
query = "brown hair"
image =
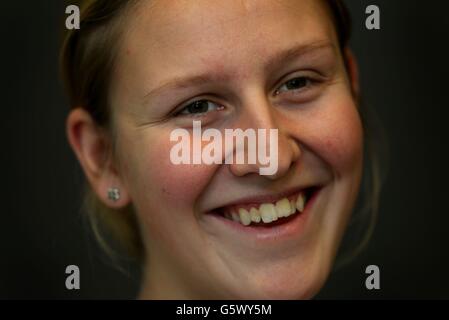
x,y
87,62
87,58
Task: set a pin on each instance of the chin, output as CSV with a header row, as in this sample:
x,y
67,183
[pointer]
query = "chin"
x,y
285,283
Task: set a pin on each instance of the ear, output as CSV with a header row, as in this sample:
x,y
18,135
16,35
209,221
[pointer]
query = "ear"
x,y
91,145
353,71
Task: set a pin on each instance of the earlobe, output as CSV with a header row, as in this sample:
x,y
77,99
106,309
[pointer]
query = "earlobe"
x,y
92,148
353,72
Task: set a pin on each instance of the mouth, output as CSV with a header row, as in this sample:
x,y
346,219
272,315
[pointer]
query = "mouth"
x,y
274,211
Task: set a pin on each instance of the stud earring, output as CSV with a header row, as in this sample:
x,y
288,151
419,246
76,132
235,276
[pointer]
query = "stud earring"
x,y
114,194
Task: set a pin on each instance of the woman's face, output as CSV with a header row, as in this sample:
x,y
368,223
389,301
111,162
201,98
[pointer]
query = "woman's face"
x,y
254,64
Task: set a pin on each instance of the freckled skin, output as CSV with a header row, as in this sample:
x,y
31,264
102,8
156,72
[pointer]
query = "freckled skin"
x,y
186,258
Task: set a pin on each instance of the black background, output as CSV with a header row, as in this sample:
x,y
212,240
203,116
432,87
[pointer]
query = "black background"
x,y
404,75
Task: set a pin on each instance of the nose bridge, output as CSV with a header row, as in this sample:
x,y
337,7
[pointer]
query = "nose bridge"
x,y
275,149
257,112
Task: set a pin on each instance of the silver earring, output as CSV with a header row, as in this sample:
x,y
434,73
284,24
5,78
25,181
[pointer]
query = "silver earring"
x,y
114,194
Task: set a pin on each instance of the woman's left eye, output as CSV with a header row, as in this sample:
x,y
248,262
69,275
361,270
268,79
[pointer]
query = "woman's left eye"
x,y
199,108
295,84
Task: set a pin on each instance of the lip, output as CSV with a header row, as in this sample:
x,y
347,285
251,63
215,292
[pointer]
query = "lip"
x,y
292,228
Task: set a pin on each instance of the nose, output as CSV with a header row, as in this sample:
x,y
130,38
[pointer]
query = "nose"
x,y
261,116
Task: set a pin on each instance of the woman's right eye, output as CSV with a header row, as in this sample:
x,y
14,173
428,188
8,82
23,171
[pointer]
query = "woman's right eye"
x,y
199,108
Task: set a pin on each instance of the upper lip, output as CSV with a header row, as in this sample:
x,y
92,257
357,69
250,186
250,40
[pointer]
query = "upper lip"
x,y
265,198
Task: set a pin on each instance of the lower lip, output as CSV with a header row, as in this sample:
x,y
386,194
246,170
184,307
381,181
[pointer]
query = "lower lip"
x,y
293,226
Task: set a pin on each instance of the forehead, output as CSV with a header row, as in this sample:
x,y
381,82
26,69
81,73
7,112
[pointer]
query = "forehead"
x,y
169,38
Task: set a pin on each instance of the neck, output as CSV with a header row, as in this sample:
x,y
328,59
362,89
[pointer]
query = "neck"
x,y
161,282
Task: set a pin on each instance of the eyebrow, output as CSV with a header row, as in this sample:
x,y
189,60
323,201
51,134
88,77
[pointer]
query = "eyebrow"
x,y
201,79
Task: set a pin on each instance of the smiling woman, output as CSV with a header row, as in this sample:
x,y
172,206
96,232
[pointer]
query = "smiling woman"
x,y
138,70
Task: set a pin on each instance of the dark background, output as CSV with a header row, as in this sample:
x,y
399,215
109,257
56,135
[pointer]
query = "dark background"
x,y
404,75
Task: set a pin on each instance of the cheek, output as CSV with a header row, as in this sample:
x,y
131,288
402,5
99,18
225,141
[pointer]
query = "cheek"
x,y
337,136
155,182
162,193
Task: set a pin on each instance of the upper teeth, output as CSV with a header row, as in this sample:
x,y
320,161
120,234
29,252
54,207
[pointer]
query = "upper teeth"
x,y
268,212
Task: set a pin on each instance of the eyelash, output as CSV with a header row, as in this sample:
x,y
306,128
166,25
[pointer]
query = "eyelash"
x,y
309,83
